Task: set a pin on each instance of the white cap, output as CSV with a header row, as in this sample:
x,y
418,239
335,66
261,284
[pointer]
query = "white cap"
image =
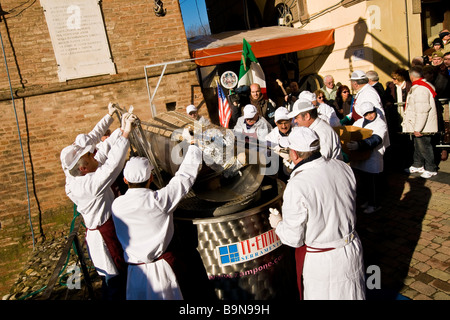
x,y
71,154
281,114
307,96
137,170
190,108
365,107
300,139
358,75
250,111
300,106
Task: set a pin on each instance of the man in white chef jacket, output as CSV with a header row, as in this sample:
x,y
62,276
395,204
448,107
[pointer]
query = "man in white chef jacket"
x,y
364,93
318,219
192,112
368,170
252,124
282,129
89,177
305,114
324,111
144,226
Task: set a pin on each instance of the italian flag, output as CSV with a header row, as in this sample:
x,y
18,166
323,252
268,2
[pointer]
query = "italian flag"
x,y
250,70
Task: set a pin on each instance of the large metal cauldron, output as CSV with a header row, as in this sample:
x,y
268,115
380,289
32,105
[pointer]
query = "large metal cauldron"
x,y
221,186
224,217
243,257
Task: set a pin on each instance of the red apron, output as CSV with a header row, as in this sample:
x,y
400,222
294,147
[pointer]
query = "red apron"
x,y
108,232
300,254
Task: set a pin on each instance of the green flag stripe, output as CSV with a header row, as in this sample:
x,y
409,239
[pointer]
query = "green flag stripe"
x,y
248,56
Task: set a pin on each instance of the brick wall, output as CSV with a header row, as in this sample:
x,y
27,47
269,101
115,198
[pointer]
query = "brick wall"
x,y
50,113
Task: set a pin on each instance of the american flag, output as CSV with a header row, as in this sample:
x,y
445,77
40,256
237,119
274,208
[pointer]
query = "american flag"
x,y
224,108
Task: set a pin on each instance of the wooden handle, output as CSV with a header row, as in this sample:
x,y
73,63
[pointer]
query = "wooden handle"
x,y
281,86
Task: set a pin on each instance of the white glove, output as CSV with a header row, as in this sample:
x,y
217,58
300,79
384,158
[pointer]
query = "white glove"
x,y
186,135
352,145
288,164
123,120
242,159
281,152
274,211
274,217
129,123
111,108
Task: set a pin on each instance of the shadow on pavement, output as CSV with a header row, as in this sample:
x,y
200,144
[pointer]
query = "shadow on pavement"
x,y
390,236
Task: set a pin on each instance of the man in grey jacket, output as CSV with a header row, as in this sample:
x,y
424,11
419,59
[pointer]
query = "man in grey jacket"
x,y
420,120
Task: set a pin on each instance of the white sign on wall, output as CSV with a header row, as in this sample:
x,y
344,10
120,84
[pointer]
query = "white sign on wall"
x,y
374,20
78,37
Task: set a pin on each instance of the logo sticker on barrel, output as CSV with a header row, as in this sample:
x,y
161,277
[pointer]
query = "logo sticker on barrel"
x,y
249,249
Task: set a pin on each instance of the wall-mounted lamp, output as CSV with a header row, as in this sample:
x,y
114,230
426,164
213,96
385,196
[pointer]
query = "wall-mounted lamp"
x,y
158,8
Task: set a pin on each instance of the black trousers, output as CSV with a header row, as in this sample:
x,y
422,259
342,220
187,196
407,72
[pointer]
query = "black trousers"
x,y
115,288
368,187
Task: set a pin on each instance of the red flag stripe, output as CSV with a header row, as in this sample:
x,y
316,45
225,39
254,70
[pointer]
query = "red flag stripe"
x,y
224,108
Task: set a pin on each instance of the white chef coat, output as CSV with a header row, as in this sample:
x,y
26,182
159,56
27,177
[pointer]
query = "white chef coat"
x,y
375,163
103,147
330,145
368,93
144,225
274,137
319,210
259,130
328,114
94,138
93,196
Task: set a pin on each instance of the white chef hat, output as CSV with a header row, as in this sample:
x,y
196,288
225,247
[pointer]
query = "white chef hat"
x,y
190,108
365,107
137,170
71,154
300,139
358,75
250,111
300,106
281,114
308,96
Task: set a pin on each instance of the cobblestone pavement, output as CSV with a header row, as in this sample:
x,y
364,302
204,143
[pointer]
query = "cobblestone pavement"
x,y
408,240
32,282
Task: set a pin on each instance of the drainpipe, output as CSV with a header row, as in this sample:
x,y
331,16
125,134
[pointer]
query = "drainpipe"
x,y
407,33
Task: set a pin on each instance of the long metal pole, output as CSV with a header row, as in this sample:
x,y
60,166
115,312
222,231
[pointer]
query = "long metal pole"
x,y
165,64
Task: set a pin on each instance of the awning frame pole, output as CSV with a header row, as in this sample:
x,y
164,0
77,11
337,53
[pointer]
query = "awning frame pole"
x,y
165,64
156,89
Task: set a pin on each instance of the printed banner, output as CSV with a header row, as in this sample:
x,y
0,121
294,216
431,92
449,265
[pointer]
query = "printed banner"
x,y
249,249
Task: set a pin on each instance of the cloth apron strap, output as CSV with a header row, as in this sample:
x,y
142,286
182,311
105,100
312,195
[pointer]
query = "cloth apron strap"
x,y
108,232
355,115
300,254
169,256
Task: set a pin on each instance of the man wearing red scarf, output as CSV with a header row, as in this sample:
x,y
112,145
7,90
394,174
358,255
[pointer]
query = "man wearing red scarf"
x,y
420,120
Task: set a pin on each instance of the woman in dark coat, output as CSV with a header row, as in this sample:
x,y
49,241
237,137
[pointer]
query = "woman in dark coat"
x,y
343,102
